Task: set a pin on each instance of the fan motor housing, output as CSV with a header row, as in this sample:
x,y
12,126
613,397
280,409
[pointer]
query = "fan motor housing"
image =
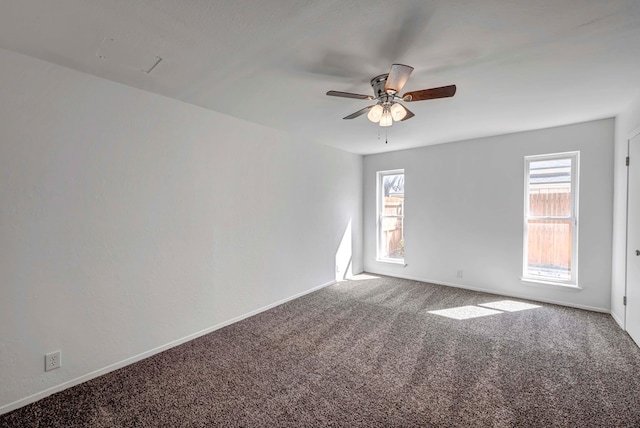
x,y
377,83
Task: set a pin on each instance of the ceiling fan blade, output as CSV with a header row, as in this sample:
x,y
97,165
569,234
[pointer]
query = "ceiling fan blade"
x,y
349,95
408,116
398,76
430,94
359,112
338,64
403,30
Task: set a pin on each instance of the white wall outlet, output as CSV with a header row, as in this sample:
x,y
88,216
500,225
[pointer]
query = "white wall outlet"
x,y
459,273
52,360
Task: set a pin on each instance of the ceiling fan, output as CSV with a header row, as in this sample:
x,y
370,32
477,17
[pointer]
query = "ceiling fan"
x,y
385,89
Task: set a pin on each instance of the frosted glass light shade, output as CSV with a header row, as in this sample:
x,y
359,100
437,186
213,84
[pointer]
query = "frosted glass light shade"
x,y
386,119
375,113
398,112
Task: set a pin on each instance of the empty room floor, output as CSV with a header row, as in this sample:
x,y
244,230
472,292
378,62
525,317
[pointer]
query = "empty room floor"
x,y
374,351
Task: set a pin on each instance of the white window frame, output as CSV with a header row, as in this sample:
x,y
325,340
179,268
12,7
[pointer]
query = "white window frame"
x,y
572,282
380,215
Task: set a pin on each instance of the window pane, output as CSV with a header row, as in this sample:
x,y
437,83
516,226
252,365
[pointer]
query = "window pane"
x,y
392,239
391,233
393,188
550,188
549,248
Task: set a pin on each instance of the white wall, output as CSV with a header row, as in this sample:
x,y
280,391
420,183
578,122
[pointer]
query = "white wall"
x,y
626,122
464,207
130,221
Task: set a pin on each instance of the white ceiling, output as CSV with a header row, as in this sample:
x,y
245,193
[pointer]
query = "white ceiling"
x,y
518,64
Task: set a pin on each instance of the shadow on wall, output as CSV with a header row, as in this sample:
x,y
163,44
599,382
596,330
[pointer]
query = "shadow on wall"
x,y
344,255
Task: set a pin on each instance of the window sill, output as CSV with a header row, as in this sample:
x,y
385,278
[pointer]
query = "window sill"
x,y
542,282
392,261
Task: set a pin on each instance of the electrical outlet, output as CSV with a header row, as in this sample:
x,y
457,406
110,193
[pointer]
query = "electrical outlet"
x,y
52,360
459,273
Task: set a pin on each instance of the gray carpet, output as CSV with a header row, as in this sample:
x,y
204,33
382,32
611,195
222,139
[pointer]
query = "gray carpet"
x,y
369,354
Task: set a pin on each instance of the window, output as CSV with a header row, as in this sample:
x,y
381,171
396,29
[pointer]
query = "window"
x,y
551,218
391,216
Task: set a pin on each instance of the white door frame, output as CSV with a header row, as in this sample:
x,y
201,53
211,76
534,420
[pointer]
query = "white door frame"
x,y
632,135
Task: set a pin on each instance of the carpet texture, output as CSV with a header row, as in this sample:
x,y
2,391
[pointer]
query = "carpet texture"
x,y
369,353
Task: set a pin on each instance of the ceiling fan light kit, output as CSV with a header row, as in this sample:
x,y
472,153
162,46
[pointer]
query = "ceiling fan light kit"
x,y
386,119
385,90
398,112
375,113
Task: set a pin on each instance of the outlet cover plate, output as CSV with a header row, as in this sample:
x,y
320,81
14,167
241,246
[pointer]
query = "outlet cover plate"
x,y
52,360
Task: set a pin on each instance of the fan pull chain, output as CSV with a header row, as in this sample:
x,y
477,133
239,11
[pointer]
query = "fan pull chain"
x,y
386,135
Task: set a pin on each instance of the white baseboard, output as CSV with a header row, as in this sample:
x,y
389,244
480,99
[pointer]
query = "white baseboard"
x,y
68,384
618,320
497,292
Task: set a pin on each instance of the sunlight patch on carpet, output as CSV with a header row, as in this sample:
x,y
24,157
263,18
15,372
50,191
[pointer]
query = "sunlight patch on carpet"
x,y
465,312
362,277
509,305
484,309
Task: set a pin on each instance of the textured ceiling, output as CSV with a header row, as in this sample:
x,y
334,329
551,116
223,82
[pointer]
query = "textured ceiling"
x,y
518,64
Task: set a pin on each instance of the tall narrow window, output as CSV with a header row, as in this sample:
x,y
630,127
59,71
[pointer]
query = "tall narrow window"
x,y
391,216
551,218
